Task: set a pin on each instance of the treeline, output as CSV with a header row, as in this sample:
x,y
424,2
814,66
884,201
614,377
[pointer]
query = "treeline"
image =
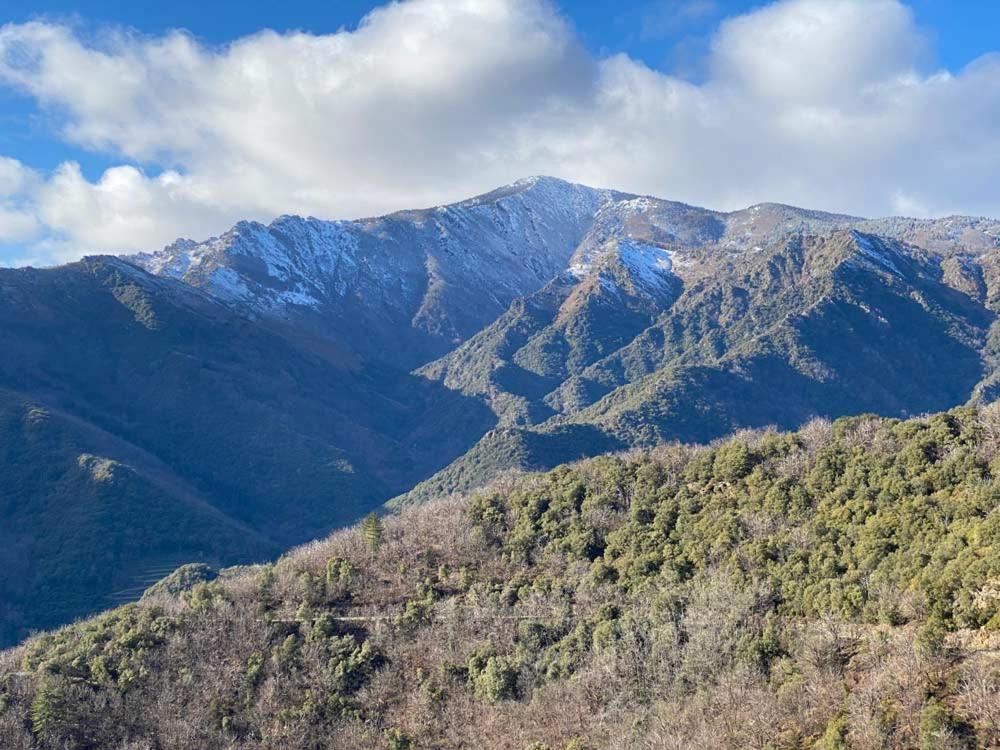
x,y
837,587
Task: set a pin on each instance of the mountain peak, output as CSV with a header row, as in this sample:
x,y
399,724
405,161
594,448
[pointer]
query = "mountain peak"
x,y
533,180
449,270
551,189
446,271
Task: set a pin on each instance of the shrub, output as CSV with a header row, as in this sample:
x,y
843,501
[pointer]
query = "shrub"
x,y
493,678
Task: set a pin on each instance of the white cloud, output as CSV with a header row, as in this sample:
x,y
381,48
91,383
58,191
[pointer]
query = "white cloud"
x,y
822,51
15,178
124,208
816,102
17,220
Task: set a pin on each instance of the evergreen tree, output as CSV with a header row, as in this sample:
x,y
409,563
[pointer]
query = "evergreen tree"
x,y
371,531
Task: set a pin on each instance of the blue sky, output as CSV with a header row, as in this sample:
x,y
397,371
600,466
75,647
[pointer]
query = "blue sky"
x,y
672,56
962,29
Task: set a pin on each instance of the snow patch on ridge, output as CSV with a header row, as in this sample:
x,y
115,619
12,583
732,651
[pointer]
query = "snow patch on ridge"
x,y
227,285
502,245
650,265
874,252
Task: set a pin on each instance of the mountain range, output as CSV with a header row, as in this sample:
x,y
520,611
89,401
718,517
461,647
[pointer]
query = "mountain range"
x,y
220,401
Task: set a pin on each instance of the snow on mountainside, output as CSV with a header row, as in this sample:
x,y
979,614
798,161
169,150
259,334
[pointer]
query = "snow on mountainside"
x,y
446,272
650,265
875,251
953,233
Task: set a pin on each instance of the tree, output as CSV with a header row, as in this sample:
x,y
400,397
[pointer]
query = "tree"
x,y
58,716
372,532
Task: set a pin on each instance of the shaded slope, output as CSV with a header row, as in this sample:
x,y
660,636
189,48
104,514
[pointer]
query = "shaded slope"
x,y
79,524
810,325
236,438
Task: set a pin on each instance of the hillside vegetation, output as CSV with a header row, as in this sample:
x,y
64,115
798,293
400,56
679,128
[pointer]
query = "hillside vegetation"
x,y
838,587
143,424
219,401
76,526
828,325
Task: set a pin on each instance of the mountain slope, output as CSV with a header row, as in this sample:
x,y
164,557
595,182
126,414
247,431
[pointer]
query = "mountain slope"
x,y
235,439
400,288
760,326
834,587
814,326
278,381
83,529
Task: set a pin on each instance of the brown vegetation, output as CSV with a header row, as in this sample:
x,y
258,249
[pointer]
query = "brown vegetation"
x,y
834,588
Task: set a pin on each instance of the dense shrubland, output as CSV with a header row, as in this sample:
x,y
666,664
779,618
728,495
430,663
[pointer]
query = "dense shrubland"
x,y
838,587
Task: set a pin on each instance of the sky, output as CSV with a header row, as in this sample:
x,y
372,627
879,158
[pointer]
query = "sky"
x,y
125,126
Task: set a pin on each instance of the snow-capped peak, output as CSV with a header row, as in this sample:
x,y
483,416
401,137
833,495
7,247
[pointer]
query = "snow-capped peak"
x,y
481,253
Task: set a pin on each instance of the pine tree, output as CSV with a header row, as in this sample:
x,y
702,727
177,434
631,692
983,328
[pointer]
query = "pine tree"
x,y
51,717
371,531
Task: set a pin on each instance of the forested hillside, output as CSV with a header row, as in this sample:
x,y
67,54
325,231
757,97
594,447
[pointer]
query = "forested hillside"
x,y
220,401
837,587
144,424
834,324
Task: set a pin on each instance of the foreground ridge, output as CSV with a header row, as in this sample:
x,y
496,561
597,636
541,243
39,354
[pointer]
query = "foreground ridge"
x,y
834,587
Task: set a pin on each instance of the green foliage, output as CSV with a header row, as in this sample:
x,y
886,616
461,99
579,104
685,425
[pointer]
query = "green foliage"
x,y
286,655
914,525
183,579
782,591
372,532
338,573
350,664
204,596
931,636
255,670
941,730
397,739
110,649
486,514
732,462
493,678
417,609
835,736
51,717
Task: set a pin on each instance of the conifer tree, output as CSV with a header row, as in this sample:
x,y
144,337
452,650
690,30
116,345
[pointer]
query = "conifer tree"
x,y
371,531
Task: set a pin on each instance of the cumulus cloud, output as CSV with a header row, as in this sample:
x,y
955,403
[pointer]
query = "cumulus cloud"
x,y
825,51
17,220
824,103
